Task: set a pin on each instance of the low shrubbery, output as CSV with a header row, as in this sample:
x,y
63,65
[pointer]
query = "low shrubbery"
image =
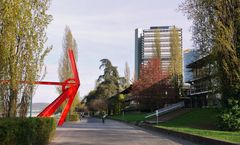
x,y
73,117
230,116
26,131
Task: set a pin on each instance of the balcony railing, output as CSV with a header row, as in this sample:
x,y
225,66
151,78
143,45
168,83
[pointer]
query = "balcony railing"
x,y
167,109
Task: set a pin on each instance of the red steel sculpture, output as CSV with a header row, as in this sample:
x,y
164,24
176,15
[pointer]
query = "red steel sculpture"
x,y
69,91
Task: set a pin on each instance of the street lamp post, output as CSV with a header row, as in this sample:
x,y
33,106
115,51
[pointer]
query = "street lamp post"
x,y
31,107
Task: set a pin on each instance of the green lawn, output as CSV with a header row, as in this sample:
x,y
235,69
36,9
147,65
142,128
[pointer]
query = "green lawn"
x,y
198,121
201,122
196,118
130,117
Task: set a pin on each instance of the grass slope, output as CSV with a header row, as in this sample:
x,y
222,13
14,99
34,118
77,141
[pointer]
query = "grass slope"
x,y
130,117
201,122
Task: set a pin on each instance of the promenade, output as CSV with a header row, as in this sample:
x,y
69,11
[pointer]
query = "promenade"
x,y
92,131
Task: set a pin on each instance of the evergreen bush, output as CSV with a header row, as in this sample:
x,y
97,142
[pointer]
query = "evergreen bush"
x,y
26,131
230,116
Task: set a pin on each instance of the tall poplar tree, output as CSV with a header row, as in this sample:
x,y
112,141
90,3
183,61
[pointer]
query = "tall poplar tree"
x,y
127,74
157,44
64,68
226,47
22,38
175,67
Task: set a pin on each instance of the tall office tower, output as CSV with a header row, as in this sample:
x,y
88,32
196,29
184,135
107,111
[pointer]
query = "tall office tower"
x,y
145,45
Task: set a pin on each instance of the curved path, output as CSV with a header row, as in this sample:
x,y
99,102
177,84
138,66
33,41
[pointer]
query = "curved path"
x,y
92,131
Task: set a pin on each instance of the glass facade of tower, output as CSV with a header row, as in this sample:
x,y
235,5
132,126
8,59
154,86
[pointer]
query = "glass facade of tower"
x,y
145,45
189,56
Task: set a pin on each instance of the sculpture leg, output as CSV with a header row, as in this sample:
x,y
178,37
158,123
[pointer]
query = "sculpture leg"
x,y
68,105
50,109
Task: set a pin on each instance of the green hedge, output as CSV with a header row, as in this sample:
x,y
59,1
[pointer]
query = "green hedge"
x,y
26,131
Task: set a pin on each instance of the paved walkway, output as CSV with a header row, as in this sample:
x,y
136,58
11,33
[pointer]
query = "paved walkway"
x,y
92,131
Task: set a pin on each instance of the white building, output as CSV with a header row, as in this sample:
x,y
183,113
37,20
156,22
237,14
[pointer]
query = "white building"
x,y
145,45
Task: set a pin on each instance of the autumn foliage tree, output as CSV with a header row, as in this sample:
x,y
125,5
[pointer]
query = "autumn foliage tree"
x,y
151,87
150,74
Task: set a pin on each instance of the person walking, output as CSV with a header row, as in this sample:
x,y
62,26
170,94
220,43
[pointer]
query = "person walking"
x,y
103,117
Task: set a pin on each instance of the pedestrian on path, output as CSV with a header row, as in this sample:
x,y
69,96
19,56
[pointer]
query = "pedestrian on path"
x,y
103,117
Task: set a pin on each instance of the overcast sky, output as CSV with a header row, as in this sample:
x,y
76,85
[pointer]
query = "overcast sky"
x,y
104,29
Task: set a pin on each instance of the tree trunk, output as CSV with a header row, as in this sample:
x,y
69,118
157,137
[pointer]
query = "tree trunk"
x,y
12,110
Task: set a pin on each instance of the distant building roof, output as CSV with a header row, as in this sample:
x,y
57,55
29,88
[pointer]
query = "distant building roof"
x,y
199,62
126,91
159,27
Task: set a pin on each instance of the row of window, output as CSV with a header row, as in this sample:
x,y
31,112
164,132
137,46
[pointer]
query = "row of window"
x,y
151,50
161,30
152,35
201,72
